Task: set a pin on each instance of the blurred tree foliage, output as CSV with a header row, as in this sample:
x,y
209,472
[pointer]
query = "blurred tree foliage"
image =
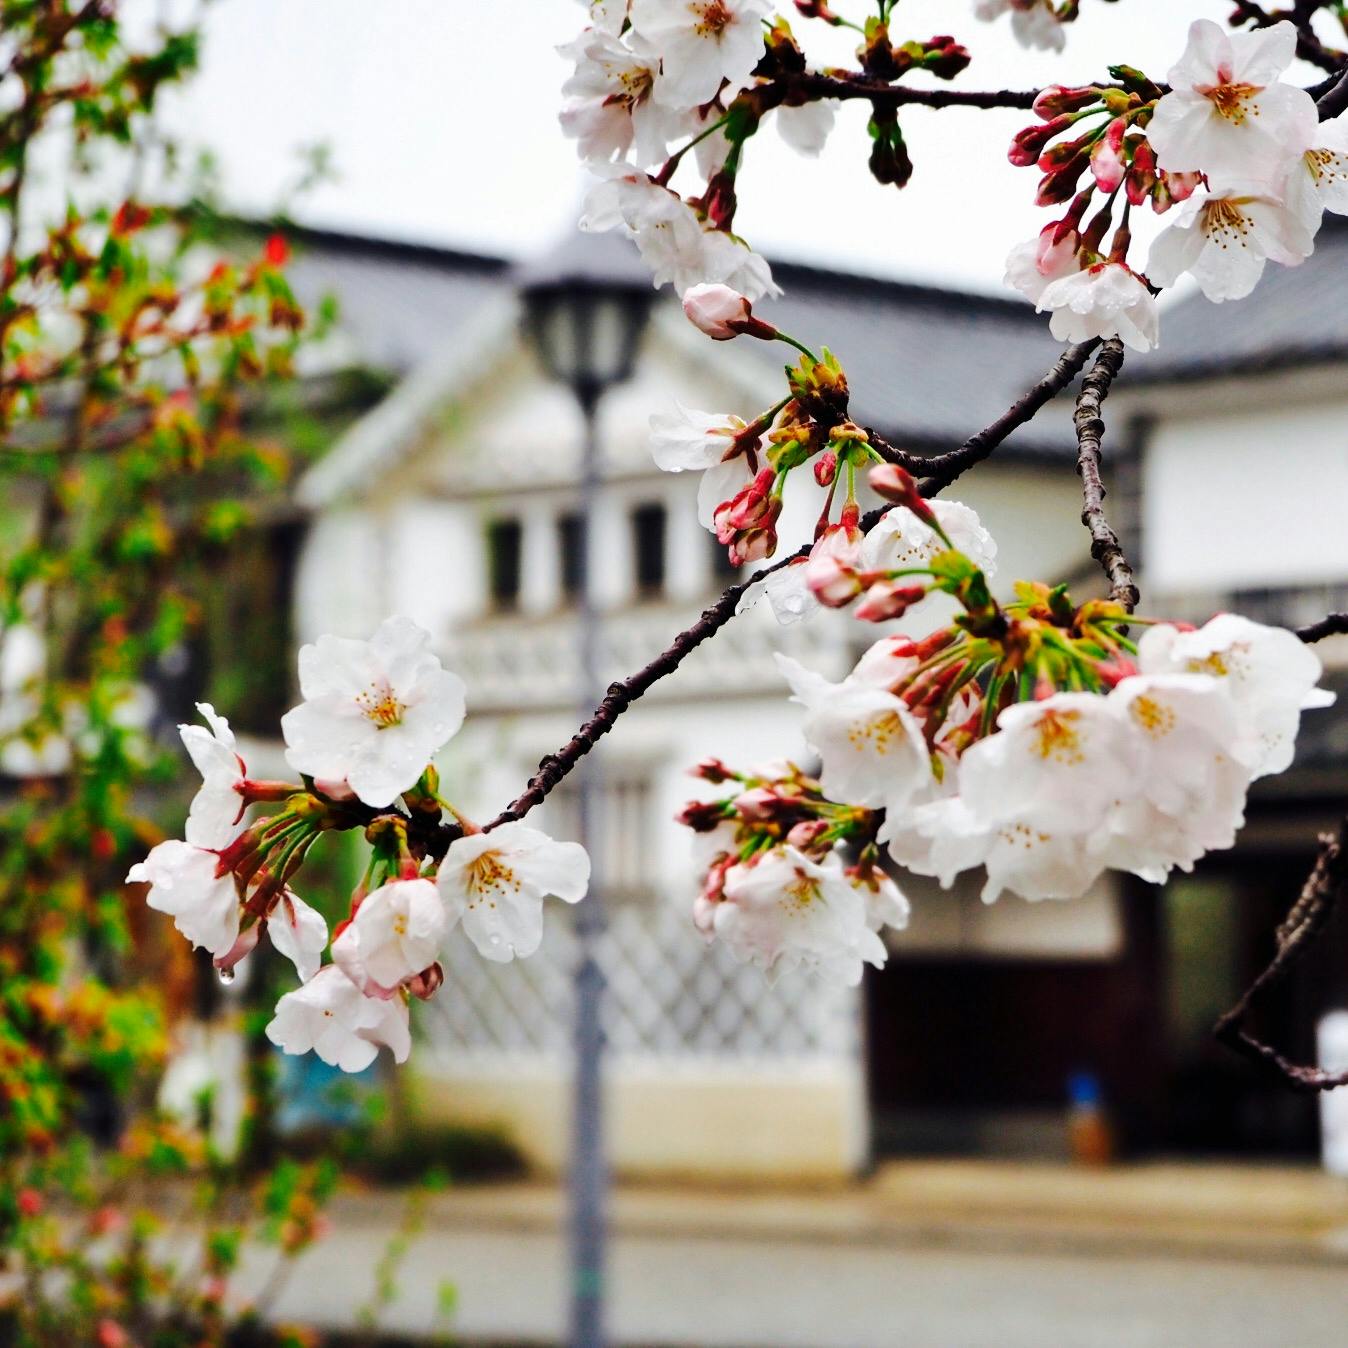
x,y
137,361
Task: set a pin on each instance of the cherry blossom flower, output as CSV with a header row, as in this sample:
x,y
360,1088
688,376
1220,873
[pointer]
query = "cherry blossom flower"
x,y
1058,761
886,904
806,129
374,712
608,16
395,933
699,43
869,743
1038,860
186,882
495,883
1269,674
1226,114
900,540
216,815
1104,300
688,440
781,911
609,109
679,247
1034,23
1224,242
1032,266
330,1016
1318,181
298,932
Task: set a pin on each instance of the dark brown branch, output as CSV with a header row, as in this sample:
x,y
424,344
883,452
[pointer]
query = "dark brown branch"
x,y
938,472
1331,625
1090,428
1315,904
809,85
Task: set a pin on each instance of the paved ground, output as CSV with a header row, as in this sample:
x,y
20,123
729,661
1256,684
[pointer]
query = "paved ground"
x,y
945,1256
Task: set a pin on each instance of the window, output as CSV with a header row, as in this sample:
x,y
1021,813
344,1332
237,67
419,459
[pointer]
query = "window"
x,y
648,548
625,810
571,567
723,571
505,540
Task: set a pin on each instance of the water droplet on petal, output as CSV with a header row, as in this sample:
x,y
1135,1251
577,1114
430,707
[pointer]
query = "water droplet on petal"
x,y
227,976
495,939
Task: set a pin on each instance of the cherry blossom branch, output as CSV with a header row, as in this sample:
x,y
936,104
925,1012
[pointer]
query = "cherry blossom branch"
x,y
1331,625
1308,916
938,472
1090,428
810,85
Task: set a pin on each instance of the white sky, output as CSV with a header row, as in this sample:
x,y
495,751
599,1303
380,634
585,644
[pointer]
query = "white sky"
x,y
441,118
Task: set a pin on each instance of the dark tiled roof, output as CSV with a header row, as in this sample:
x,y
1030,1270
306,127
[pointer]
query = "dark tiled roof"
x,y
927,366
1296,316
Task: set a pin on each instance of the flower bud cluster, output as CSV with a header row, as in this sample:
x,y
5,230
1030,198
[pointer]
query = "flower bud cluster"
x,y
374,715
776,889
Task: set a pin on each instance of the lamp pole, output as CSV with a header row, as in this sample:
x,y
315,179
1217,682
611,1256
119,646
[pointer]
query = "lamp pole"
x,y
586,306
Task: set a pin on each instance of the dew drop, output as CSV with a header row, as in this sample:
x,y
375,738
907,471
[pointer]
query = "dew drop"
x,y
226,976
495,938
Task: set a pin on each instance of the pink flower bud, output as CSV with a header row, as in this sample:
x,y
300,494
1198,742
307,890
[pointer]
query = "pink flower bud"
x,y
723,313
1107,164
428,982
244,945
759,804
712,770
806,833
900,486
1029,144
833,583
888,599
1058,98
826,468
701,815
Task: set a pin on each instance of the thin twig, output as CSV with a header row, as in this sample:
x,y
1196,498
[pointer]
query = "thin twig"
x,y
810,85
1312,910
1090,428
1331,625
938,473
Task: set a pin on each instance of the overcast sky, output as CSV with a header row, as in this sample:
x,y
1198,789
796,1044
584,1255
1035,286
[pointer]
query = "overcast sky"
x,y
441,119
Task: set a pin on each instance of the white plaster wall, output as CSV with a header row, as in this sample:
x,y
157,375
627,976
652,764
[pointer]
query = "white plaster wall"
x,y
336,579
1247,498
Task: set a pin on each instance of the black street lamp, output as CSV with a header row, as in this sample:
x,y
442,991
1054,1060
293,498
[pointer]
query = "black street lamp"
x,y
586,306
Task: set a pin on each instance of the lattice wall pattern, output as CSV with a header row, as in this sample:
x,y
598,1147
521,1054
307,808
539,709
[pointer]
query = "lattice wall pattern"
x,y
668,995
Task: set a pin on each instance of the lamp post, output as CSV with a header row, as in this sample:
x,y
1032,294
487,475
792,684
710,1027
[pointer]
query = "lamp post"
x,y
585,308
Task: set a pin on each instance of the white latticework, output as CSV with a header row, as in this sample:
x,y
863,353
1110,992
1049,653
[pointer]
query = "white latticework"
x,y
667,995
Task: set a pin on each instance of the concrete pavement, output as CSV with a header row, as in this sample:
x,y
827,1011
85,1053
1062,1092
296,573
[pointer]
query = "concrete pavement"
x,y
951,1255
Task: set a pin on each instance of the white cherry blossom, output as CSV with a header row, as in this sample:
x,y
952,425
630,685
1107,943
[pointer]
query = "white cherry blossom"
x,y
1103,300
216,815
186,884
1227,115
886,904
674,241
1224,242
699,43
330,1016
902,540
298,932
374,712
788,595
608,16
395,933
1056,762
495,884
1037,860
687,440
782,911
869,743
609,109
1318,181
1032,266
806,129
1269,674
1034,23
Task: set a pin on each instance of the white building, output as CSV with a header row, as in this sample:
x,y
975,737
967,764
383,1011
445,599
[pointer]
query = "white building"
x,y
453,499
